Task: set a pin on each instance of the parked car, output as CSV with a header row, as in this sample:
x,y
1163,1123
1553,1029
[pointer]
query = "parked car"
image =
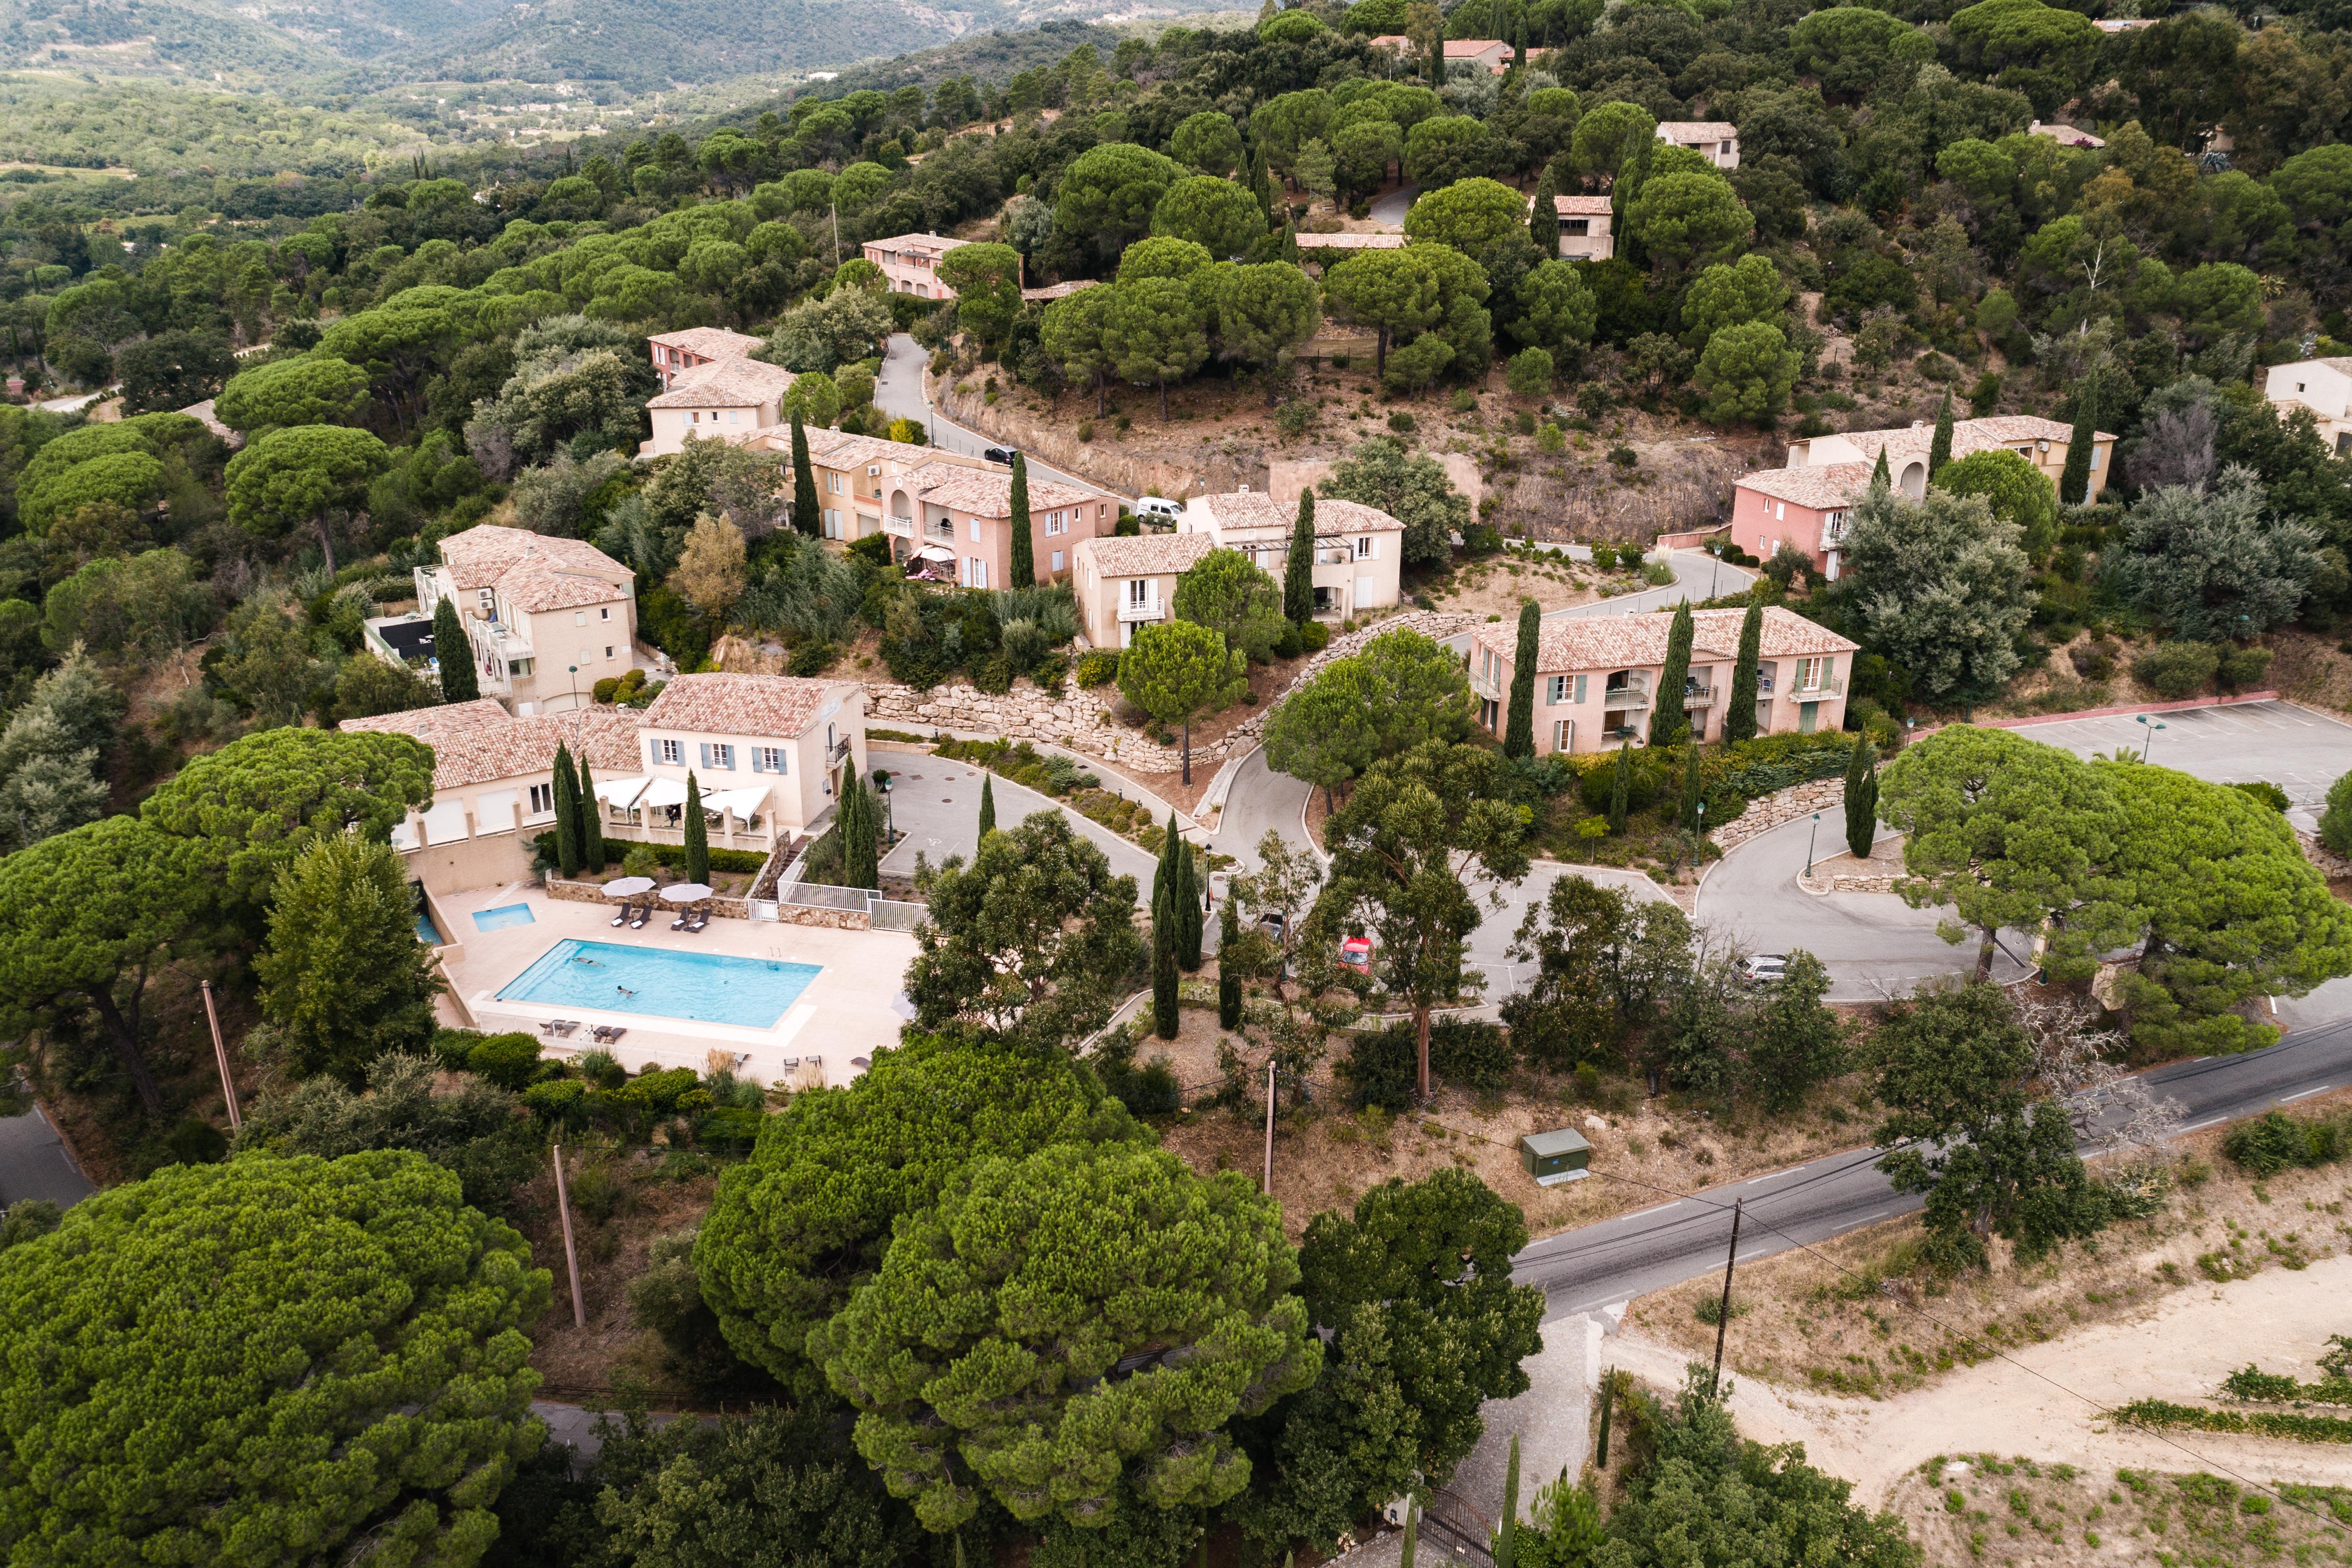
x,y
1000,455
1765,967
1158,508
1355,954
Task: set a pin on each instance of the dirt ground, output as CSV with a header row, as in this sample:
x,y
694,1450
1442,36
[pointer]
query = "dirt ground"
x,y
1853,1317
2018,1513
2311,669
1496,586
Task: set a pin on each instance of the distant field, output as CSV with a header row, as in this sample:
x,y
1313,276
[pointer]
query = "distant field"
x,y
68,126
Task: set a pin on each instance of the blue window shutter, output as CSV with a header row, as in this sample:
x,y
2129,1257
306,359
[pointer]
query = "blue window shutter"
x,y
1580,688
706,756
783,761
756,765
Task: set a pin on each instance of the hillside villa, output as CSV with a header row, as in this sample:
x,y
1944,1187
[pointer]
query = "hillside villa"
x,y
1123,584
545,619
1596,678
1716,141
767,750
910,262
2324,386
1358,550
729,399
1806,503
675,353
1493,54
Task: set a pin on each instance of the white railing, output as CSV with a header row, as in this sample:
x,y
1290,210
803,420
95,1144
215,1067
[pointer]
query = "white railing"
x,y
942,531
1147,611
904,527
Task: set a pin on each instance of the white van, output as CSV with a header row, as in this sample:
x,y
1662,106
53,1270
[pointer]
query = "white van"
x,y
1159,508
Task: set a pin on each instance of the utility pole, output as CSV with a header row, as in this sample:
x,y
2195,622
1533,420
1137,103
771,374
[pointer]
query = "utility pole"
x,y
220,1055
1268,1188
571,1254
1723,1318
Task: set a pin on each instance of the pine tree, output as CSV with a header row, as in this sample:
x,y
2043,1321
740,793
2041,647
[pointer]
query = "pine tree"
x,y
2074,479
592,853
567,813
1621,787
1939,449
454,654
1024,572
860,856
1519,727
806,517
1298,572
1862,798
1229,977
1740,712
1543,218
1669,720
987,805
1163,965
697,835
1880,479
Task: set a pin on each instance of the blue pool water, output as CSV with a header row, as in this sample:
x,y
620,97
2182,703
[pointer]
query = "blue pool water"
x,y
502,917
707,987
425,931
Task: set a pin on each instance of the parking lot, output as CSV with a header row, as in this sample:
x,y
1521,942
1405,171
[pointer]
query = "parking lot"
x,y
2299,750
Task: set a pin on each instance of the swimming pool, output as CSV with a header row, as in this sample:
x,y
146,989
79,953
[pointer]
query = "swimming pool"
x,y
707,987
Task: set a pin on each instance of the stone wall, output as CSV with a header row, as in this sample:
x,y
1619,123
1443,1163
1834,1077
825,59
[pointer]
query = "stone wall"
x,y
1824,795
593,893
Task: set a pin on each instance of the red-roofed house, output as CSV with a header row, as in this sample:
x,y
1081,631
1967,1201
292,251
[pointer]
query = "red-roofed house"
x,y
1806,503
911,263
1359,549
1716,141
961,521
675,353
1596,676
546,618
727,400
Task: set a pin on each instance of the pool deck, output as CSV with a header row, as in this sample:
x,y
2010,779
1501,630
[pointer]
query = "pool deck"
x,y
845,1013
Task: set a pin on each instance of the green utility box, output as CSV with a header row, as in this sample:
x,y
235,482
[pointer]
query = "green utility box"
x,y
1554,1157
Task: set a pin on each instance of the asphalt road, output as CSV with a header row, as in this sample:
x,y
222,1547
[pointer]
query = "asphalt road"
x,y
1652,1248
33,1163
936,804
898,392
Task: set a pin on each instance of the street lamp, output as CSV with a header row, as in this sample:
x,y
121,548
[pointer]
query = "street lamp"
x,y
2149,738
889,813
575,686
1812,834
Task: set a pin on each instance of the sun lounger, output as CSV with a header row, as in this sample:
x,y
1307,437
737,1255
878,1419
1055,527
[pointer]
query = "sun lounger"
x,y
621,915
684,916
612,1034
645,913
702,919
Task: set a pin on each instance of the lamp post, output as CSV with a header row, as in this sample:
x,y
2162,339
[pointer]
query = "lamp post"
x,y
889,813
1812,834
2148,740
575,686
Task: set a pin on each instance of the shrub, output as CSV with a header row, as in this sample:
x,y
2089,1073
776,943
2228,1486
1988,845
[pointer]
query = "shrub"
x,y
2269,793
451,1047
1481,539
1604,556
2175,669
1097,667
2277,1141
814,659
1382,1069
1294,418
1316,636
1465,400
512,1061
1401,422
2242,668
2335,821
1624,457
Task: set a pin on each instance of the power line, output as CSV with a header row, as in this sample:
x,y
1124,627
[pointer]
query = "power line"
x,y
1996,1351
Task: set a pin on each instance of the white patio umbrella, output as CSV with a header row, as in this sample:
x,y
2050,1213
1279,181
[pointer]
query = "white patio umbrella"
x,y
628,887
685,892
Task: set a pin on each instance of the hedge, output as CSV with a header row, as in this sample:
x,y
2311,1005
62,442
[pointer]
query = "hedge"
x,y
668,855
2158,1413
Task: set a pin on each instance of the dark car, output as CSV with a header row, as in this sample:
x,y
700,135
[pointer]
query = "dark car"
x,y
1000,455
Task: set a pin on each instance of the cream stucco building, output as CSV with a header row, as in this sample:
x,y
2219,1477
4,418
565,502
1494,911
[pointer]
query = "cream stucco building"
x,y
1358,550
545,619
1121,584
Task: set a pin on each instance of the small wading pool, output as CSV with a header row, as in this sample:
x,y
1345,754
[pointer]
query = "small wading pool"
x,y
707,987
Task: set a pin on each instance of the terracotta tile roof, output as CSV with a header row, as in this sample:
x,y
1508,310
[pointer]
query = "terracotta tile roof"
x,y
710,343
1146,554
474,743
726,384
1058,291
1256,508
844,449
1679,130
775,707
1468,49
988,492
1821,487
1631,642
482,555
1969,436
1581,206
1351,242
926,244
535,588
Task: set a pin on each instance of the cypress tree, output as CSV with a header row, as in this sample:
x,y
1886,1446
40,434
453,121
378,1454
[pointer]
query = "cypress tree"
x,y
1519,727
1939,449
860,856
1506,1539
1290,256
806,517
1261,185
1543,218
1621,787
1023,572
1880,479
1740,712
1298,572
987,804
1229,979
1163,965
1669,720
2074,479
1862,798
592,853
1189,916
1687,813
454,654
567,813
697,835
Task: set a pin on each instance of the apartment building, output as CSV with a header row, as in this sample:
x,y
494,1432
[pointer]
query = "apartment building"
x,y
675,353
728,399
1123,584
1806,503
961,523
1597,677
1358,550
911,263
2324,386
1716,141
544,618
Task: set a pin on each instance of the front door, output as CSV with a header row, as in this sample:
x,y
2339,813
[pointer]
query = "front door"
x,y
1805,712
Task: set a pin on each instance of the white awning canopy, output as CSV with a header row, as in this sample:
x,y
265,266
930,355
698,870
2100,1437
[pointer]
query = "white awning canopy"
x,y
743,802
446,823
621,792
663,792
935,553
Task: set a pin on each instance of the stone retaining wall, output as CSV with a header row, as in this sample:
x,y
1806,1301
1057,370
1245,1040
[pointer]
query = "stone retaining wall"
x,y
593,893
1824,795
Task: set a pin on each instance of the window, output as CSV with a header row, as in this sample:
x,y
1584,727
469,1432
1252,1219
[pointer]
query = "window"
x,y
542,800
1563,735
1779,511
523,667
1103,511
1558,692
587,655
1575,228
1813,674
605,613
608,650
720,756
1368,548
734,416
670,751
1138,592
833,484
1052,523
768,759
975,530
832,523
975,570
579,618
1057,561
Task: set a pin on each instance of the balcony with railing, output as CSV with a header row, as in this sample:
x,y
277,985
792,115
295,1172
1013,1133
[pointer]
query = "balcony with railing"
x,y
1149,610
839,753
1696,695
1831,685
1626,691
940,530
904,527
